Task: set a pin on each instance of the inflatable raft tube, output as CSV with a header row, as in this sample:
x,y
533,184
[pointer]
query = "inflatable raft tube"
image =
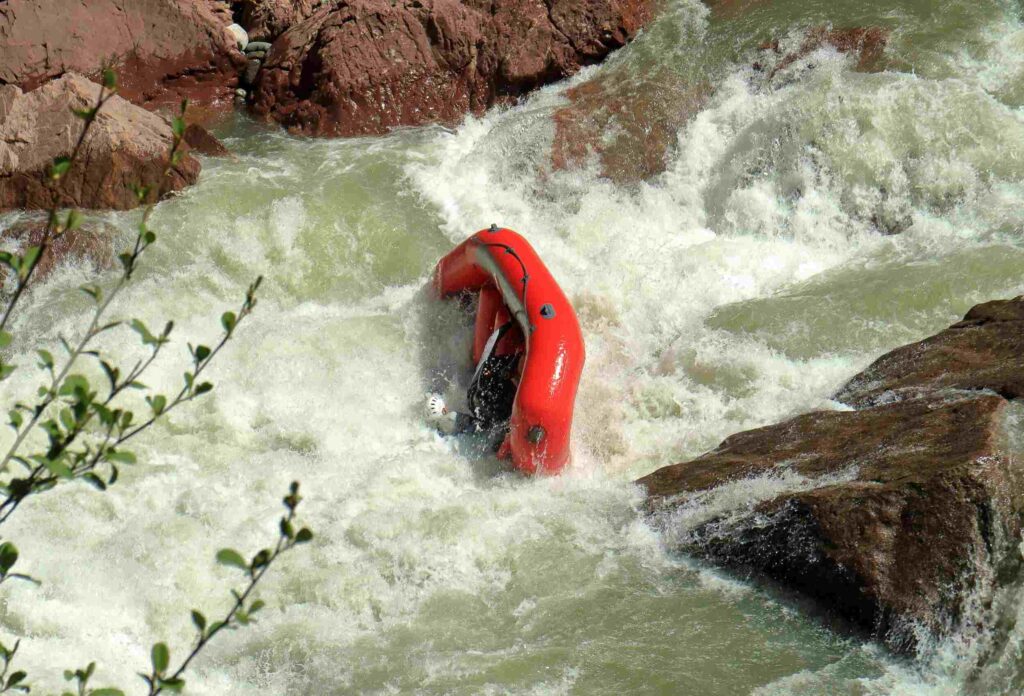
x,y
512,280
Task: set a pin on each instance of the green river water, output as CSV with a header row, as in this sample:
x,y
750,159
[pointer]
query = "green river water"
x,y
741,286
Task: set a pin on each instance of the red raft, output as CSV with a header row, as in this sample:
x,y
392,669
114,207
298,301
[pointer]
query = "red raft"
x,y
513,282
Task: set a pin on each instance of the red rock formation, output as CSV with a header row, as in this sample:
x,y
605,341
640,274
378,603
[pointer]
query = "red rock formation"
x,y
365,66
265,20
163,50
915,503
630,127
126,146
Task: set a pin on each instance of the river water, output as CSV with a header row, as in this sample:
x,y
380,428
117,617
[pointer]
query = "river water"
x,y
742,285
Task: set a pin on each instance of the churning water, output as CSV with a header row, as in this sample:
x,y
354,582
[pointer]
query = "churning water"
x,y
742,285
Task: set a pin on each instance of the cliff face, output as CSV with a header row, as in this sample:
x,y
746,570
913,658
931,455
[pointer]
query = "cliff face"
x,y
911,506
365,66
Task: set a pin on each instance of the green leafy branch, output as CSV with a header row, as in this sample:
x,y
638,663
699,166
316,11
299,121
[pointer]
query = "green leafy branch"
x,y
24,265
242,611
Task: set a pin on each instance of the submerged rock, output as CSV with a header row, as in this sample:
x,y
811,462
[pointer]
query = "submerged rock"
x,y
984,351
631,128
126,146
163,50
365,66
866,43
905,516
89,244
202,141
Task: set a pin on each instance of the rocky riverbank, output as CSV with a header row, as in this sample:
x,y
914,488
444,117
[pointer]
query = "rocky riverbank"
x,y
900,513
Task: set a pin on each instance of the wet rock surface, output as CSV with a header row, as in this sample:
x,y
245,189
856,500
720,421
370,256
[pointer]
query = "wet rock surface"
x,y
984,351
126,146
90,244
365,66
902,514
163,50
867,44
631,129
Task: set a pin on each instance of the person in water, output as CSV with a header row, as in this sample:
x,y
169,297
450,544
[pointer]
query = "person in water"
x,y
490,396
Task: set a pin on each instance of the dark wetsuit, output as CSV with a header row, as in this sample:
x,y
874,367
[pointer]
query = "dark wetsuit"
x,y
491,395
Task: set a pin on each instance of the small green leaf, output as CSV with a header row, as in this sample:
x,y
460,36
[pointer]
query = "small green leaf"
x,y
74,220
106,691
178,126
203,387
28,261
16,419
256,606
57,468
5,339
123,456
8,557
230,557
286,528
173,684
140,328
199,620
60,167
303,536
202,353
109,78
157,403
161,657
95,481
228,320
45,359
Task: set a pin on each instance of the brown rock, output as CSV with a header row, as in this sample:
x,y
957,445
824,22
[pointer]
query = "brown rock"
x,y
984,351
202,141
867,43
920,510
163,50
89,243
365,66
126,146
630,127
265,20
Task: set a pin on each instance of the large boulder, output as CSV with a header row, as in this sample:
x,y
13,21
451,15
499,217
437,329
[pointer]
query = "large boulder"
x,y
163,50
905,515
126,146
984,351
364,66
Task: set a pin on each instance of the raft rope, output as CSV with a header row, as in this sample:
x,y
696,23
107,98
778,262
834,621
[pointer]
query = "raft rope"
x,y
526,276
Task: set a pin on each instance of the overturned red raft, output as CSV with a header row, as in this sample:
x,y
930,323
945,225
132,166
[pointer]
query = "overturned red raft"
x,y
512,280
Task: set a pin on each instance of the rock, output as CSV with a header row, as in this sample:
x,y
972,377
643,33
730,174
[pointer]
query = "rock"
x,y
268,19
252,69
984,351
630,127
262,46
163,50
907,514
202,141
256,55
867,43
126,146
364,66
240,36
90,243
